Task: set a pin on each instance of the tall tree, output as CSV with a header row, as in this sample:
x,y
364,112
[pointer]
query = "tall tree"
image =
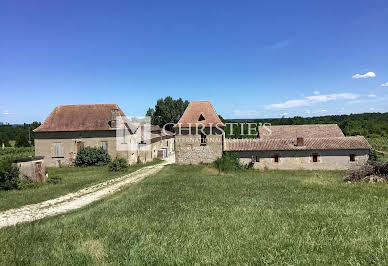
x,y
166,111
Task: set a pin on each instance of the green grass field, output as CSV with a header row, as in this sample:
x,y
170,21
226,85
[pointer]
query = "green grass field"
x,y
72,179
12,152
192,215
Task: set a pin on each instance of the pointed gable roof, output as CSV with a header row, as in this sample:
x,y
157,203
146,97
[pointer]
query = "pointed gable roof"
x,y
84,117
201,113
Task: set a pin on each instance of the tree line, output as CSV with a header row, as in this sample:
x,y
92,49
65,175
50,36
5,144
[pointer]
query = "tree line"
x,y
21,134
371,125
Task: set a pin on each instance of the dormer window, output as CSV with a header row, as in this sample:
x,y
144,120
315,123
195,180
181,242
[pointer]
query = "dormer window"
x,y
201,118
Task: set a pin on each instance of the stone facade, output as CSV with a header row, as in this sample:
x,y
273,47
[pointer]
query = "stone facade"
x,y
189,150
303,159
32,168
69,143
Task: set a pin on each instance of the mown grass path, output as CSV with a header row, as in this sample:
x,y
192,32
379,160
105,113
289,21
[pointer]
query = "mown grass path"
x,y
75,200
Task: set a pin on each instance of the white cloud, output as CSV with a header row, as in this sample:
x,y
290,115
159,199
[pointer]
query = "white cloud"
x,y
5,112
316,92
371,108
371,95
364,76
309,100
323,111
385,84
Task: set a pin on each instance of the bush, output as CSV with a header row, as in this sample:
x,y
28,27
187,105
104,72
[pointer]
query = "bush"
x,y
9,175
92,156
118,164
228,162
22,141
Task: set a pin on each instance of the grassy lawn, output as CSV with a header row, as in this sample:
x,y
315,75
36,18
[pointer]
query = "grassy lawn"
x,y
192,215
72,179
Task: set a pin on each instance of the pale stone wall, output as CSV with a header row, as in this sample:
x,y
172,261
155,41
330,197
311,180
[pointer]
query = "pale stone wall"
x,y
188,149
28,169
295,160
44,146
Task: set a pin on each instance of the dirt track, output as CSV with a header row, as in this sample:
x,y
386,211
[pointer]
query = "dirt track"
x,y
77,199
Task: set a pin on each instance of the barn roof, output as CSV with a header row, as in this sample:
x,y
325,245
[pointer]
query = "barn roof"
x,y
85,117
300,131
336,143
201,113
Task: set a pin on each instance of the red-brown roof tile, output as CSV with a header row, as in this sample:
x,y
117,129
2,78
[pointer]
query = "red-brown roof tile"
x,y
79,118
300,131
195,110
337,143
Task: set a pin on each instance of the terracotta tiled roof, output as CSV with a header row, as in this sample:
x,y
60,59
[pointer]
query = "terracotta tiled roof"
x,y
79,118
338,143
303,131
201,113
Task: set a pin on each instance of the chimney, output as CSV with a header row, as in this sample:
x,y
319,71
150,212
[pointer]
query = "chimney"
x,y
299,142
113,122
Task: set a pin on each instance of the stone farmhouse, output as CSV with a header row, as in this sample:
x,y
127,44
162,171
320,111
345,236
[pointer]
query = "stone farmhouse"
x,y
276,147
69,128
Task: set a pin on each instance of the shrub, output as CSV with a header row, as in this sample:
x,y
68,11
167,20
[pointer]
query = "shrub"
x,y
22,141
228,162
92,156
9,175
118,164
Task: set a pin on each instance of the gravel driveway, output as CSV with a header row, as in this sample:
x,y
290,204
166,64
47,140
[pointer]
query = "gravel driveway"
x,y
77,199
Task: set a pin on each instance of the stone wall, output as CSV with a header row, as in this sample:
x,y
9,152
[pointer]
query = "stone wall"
x,y
44,146
32,168
188,149
295,160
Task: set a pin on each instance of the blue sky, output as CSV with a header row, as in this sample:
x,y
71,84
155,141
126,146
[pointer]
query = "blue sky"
x,y
252,59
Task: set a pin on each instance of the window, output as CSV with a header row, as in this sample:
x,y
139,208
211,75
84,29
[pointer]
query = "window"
x,y
276,158
315,158
104,145
352,157
57,149
257,159
201,118
203,139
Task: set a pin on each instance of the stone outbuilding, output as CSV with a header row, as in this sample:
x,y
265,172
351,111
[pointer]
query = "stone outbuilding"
x,y
314,147
199,134
69,128
32,168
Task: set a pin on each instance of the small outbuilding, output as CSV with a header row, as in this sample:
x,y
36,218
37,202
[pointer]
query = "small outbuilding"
x,y
32,168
